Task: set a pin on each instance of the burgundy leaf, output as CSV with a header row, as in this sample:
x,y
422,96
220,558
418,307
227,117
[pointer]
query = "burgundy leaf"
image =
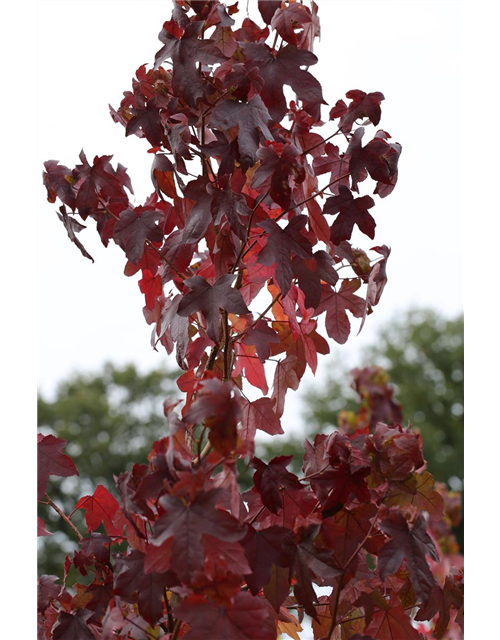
x,y
251,118
285,67
52,462
362,105
247,618
134,227
410,544
147,589
73,627
210,299
271,479
186,524
351,212
281,244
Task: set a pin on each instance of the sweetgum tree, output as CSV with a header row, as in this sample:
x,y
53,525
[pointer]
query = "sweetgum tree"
x,y
243,248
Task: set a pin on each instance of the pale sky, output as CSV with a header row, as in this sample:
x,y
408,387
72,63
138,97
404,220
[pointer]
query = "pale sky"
x,y
88,53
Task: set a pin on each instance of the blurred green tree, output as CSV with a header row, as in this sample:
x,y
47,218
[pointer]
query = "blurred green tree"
x,y
423,353
110,420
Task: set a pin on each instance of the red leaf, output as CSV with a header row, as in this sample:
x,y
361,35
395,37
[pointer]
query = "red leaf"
x,y
260,414
100,507
392,623
73,627
351,211
280,245
285,378
271,479
209,299
248,618
134,227
73,227
147,589
252,120
268,8
337,323
186,524
362,105
247,360
185,52
217,405
411,545
285,67
41,530
52,462
261,336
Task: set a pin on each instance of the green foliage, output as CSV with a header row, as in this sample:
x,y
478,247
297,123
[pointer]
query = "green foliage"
x,y
109,420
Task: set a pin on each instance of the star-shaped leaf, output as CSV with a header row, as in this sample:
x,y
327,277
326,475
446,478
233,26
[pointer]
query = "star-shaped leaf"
x,y
281,244
285,67
73,627
210,299
410,544
272,479
352,211
251,118
186,524
362,105
186,48
134,227
336,304
100,507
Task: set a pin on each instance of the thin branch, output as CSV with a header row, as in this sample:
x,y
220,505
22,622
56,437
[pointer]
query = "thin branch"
x,y
201,456
50,502
315,195
257,515
335,609
227,347
169,611
322,142
242,249
177,628
316,473
197,460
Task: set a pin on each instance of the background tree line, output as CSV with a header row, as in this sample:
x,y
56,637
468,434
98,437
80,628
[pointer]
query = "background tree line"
x,y
111,418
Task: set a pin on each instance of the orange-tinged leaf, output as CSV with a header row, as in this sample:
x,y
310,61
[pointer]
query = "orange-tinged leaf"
x,y
291,628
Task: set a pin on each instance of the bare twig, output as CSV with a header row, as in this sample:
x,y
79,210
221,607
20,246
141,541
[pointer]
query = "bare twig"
x,y
51,503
